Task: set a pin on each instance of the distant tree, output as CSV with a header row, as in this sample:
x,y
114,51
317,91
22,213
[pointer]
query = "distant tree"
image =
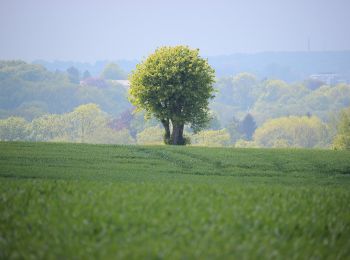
x,y
244,85
150,136
140,122
86,74
247,126
87,123
273,90
30,91
213,138
123,121
214,123
30,110
342,139
86,120
292,131
49,127
14,129
73,74
240,91
325,99
234,130
224,91
113,72
174,84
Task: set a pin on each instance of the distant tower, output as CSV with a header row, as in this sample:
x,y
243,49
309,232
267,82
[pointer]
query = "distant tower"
x,y
308,45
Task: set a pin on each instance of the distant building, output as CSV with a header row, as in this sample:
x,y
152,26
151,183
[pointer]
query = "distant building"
x,y
123,82
330,79
96,82
101,83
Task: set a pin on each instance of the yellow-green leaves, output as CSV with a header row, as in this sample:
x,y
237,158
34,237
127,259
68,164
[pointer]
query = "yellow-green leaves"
x,y
14,129
342,139
292,131
173,83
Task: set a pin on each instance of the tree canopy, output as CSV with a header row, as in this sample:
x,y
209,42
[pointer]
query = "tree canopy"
x,y
342,139
113,72
293,131
174,84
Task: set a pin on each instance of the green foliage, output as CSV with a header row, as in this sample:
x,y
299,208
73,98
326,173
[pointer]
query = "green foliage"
x,y
140,122
74,75
174,85
214,123
238,91
247,126
105,135
297,100
113,72
30,91
86,120
64,201
234,131
342,139
242,143
211,138
50,127
86,124
22,71
328,98
151,136
274,89
14,129
308,132
272,98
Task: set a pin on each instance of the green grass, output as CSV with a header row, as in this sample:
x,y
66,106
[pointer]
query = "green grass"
x,y
75,201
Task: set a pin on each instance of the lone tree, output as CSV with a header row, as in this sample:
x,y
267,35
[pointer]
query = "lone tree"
x,y
174,84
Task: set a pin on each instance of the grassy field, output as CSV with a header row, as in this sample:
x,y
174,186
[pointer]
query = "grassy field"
x,y
76,201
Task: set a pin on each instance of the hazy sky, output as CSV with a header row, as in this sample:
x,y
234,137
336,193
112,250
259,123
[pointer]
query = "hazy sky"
x,y
85,30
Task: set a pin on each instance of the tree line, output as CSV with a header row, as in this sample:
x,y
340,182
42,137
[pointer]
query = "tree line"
x,y
89,124
240,110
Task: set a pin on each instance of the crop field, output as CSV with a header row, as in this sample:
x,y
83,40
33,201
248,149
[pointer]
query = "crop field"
x,y
79,201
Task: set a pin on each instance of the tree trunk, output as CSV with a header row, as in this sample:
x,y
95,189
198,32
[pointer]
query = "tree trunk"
x,y
166,126
177,135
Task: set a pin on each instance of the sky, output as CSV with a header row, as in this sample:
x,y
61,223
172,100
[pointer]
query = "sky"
x,y
83,30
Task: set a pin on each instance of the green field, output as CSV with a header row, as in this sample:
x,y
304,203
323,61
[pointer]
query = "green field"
x,y
77,201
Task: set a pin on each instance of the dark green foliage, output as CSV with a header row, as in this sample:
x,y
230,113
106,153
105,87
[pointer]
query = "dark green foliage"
x,y
86,74
74,75
247,126
64,201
